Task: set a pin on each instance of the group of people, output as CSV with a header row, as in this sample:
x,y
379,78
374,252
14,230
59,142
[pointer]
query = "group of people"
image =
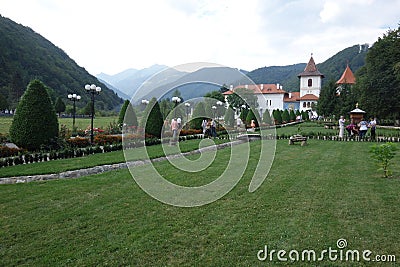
x,y
360,129
209,128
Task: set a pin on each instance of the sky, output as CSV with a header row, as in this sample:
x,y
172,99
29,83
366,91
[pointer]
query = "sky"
x,y
112,36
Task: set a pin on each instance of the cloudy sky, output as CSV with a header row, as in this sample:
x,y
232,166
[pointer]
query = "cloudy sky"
x,y
111,36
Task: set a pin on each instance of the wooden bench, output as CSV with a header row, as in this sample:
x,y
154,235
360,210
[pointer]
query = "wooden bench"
x,y
298,138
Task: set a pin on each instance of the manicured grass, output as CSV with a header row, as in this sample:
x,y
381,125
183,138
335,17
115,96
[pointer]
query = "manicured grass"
x,y
80,123
313,196
57,166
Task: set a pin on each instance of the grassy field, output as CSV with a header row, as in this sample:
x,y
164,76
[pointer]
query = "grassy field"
x,y
313,196
80,123
57,166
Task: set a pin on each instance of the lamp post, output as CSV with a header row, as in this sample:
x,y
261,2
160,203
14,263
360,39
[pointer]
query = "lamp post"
x,y
74,98
176,100
187,114
219,104
145,102
93,90
214,108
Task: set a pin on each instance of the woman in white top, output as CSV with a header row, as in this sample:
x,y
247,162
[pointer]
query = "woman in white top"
x,y
341,126
363,128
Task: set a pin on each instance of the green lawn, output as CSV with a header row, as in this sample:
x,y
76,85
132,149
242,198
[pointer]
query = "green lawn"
x,y
80,123
62,165
313,196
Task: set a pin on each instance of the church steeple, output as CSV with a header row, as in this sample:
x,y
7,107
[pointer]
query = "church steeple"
x,y
347,77
310,69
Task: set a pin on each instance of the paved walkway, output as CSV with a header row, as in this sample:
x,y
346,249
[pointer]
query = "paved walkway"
x,y
108,167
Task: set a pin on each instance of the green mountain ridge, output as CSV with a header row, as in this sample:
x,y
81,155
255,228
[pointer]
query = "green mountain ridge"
x,y
26,55
332,68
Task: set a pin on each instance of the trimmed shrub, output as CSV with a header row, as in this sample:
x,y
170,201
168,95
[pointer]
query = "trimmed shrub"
x,y
35,122
79,142
199,114
103,139
154,120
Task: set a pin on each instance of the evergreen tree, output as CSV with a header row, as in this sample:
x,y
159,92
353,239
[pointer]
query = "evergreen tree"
x,y
378,81
292,116
243,115
127,115
122,113
199,114
3,103
230,117
152,119
277,116
285,116
251,116
59,106
267,118
328,100
35,122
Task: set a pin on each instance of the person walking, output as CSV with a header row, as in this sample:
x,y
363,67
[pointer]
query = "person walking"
x,y
341,126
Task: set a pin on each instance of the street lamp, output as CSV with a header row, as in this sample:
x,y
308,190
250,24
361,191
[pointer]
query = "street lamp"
x,y
176,100
93,90
74,98
219,103
214,108
187,114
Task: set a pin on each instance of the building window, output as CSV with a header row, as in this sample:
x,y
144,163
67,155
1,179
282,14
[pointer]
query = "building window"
x,y
304,104
309,82
270,102
308,104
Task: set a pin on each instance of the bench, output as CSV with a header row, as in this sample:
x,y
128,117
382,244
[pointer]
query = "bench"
x,y
298,138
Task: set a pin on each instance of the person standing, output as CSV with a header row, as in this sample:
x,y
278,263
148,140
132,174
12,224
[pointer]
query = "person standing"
x,y
372,125
174,129
341,126
363,128
179,121
213,128
204,126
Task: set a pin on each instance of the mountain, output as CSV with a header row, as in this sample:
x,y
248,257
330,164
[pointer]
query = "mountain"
x,y
332,68
128,81
26,55
118,92
192,84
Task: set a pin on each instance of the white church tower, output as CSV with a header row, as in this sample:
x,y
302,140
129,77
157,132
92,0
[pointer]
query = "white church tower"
x,y
310,85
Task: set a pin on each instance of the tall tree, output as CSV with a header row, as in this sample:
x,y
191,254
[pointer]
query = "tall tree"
x,y
199,114
378,81
35,122
327,103
59,106
127,115
152,119
229,117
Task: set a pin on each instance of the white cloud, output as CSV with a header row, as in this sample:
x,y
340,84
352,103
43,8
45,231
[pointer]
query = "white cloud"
x,y
110,36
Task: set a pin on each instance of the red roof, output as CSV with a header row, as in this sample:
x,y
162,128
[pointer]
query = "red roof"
x,y
347,77
260,89
311,69
309,97
295,96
